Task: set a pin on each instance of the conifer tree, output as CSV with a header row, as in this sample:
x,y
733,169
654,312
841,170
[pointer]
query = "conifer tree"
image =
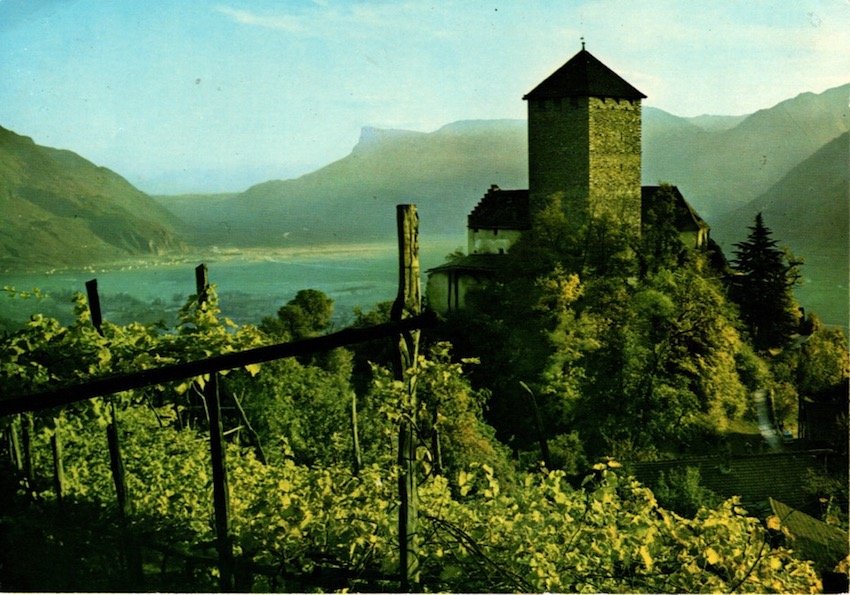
x,y
762,287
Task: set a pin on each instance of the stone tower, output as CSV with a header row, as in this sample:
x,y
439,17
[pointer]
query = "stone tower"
x,y
584,142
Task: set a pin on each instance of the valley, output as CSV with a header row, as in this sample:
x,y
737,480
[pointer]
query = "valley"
x,y
252,283
64,213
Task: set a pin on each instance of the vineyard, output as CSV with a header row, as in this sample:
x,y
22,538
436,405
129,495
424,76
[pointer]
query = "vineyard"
x,y
212,456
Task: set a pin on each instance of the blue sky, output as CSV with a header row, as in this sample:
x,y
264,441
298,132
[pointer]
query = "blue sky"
x,y
197,95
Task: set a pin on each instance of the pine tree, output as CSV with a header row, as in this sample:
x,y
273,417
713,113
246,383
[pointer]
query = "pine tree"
x,y
762,287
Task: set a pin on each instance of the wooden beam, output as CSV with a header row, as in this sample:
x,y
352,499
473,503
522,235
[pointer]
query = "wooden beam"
x,y
108,385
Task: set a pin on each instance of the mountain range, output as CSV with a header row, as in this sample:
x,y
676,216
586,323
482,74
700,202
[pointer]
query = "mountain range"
x,y
720,163
789,161
62,210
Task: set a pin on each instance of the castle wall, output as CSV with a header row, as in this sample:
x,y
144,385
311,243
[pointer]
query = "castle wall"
x,y
437,290
491,241
589,150
447,289
558,152
615,152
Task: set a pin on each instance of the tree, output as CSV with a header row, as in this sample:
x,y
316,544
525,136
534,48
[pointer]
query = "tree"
x,y
660,245
306,315
761,286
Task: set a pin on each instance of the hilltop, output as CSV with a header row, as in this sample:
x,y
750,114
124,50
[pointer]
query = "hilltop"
x,y
353,199
62,210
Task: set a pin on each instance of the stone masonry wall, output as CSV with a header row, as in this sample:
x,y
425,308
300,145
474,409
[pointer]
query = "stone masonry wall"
x,y
558,158
588,149
615,151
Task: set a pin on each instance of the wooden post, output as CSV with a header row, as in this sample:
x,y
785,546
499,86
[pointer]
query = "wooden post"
x,y
27,430
116,464
221,496
94,306
357,460
58,467
408,303
132,553
436,449
15,443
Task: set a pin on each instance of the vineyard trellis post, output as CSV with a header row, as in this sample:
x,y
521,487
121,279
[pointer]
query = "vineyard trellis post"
x,y
27,431
132,553
15,443
58,466
221,495
408,303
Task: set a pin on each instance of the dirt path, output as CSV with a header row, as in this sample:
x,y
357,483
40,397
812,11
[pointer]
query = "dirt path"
x,y
768,432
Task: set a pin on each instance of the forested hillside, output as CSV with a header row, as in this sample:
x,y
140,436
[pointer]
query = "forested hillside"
x,y
59,209
590,352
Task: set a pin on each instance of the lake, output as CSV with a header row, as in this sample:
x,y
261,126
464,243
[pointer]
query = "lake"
x,y
252,284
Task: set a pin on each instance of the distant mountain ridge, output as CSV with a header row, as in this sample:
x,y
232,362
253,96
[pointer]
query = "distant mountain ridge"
x,y
808,208
62,210
719,162
720,170
808,211
353,199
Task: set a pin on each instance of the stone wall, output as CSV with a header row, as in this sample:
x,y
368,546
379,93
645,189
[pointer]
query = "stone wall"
x,y
588,149
558,157
491,241
615,151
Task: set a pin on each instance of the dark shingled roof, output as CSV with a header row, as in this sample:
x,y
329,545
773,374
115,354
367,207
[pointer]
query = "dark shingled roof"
x,y
501,209
687,218
755,478
584,76
473,263
509,209
810,538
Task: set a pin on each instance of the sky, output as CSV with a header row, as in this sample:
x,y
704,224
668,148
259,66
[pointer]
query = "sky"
x,y
184,96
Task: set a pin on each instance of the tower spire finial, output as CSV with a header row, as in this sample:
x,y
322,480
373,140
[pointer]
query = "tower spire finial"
x,y
582,42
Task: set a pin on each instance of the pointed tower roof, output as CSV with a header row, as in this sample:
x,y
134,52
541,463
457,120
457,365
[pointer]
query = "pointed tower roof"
x,y
584,76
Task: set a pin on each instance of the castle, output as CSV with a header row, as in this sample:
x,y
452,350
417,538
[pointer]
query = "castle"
x,y
584,145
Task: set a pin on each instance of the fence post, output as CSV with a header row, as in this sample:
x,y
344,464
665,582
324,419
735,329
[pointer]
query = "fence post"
x,y
94,306
15,443
357,460
221,497
408,303
58,467
132,553
27,430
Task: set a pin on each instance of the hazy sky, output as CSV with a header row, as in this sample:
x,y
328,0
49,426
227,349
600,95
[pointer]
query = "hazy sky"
x,y
198,95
